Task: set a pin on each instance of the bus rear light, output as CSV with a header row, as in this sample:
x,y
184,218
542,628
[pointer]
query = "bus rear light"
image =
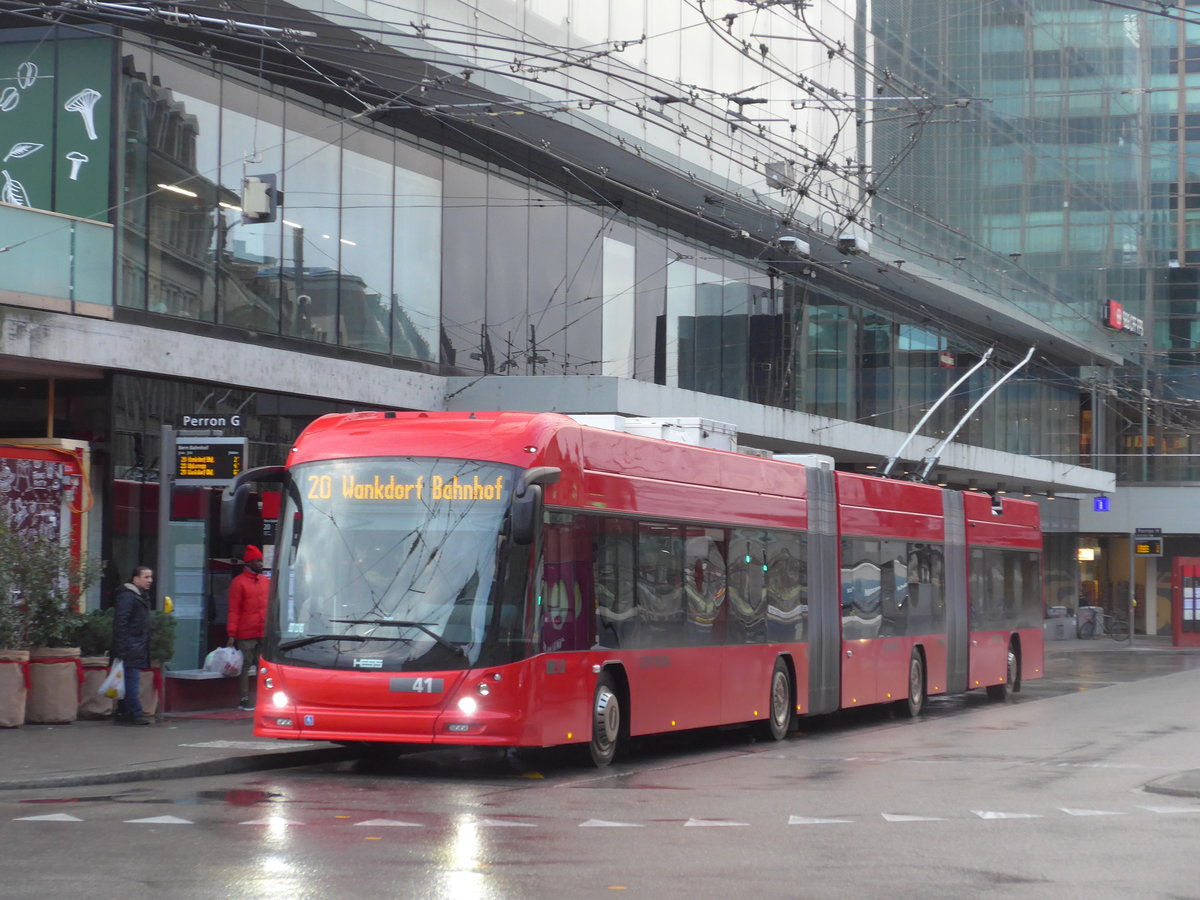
x,y
467,705
280,699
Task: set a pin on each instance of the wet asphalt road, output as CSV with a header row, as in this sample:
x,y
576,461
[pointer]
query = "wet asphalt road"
x,y
1041,797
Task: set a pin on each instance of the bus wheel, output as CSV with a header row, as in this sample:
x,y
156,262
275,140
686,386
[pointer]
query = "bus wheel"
x,y
1004,691
781,703
914,703
606,722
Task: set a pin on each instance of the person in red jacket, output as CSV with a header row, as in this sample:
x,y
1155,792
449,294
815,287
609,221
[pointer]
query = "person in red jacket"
x,y
247,615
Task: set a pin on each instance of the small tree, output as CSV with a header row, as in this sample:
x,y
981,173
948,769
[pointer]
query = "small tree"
x,y
11,630
44,586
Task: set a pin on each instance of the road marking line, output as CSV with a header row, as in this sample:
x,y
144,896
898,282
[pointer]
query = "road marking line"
x,y
52,817
1090,812
714,823
160,820
500,823
804,820
988,814
389,823
896,817
604,823
1167,810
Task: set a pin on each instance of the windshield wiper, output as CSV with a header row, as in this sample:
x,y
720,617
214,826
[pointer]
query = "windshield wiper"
x,y
402,623
317,638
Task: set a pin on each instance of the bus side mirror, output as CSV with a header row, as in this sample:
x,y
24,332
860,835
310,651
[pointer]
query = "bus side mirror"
x,y
526,512
237,493
233,508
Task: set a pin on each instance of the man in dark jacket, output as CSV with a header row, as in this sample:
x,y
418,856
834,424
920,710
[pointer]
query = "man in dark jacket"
x,y
131,642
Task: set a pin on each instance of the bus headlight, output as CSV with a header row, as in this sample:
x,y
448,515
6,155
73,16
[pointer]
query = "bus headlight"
x,y
467,705
280,699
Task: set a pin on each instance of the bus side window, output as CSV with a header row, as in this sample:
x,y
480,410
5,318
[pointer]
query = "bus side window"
x,y
566,584
612,567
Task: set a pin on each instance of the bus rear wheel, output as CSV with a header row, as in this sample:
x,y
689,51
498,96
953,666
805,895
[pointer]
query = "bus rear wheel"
x,y
914,703
1005,691
606,722
780,713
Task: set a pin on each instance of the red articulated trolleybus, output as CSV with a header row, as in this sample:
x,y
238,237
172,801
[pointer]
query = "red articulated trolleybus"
x,y
523,580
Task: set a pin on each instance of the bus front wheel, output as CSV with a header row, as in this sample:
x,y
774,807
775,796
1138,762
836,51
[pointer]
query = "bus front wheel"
x,y
606,722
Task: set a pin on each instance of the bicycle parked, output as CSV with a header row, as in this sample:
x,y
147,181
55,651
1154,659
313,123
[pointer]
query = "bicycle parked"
x,y
1114,624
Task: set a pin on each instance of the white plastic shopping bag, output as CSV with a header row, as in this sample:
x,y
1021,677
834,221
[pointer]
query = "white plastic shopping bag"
x,y
224,661
113,685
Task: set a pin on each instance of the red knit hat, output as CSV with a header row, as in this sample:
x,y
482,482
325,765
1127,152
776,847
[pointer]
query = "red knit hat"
x,y
252,553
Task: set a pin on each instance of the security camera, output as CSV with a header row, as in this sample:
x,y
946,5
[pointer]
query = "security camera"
x,y
794,245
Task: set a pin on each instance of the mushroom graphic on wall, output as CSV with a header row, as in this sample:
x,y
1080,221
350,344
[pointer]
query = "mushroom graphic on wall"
x,y
77,159
84,103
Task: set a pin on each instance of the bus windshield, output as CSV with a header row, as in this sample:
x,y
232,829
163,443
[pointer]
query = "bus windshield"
x,y
388,563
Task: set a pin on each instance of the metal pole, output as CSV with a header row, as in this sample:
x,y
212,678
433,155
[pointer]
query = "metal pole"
x,y
1130,602
162,568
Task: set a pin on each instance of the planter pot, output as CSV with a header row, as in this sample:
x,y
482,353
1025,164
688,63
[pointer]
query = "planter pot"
x,y
55,677
14,686
91,704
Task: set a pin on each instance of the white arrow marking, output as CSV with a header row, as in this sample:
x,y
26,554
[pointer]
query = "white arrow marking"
x,y
500,823
804,820
1090,812
160,820
986,814
388,823
896,817
52,817
602,823
1167,810
274,822
716,823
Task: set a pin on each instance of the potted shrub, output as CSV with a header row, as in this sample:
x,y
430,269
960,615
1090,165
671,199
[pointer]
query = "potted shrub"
x,y
45,585
162,648
93,636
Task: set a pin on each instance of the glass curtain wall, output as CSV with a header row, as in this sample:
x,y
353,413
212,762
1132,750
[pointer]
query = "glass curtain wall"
x,y
352,255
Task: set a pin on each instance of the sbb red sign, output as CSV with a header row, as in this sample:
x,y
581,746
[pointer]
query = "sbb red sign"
x,y
1116,318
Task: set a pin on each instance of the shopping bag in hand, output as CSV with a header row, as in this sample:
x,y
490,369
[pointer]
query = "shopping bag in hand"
x,y
224,661
113,685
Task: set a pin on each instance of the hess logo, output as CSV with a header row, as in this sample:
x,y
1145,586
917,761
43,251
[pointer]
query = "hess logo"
x,y
368,664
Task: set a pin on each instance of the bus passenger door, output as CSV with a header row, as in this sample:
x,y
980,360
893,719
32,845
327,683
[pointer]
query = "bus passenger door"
x,y
861,620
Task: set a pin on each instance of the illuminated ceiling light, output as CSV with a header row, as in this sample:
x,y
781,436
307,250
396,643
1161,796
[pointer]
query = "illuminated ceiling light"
x,y
347,243
1050,495
1002,488
229,206
1085,554
292,225
1026,492
178,190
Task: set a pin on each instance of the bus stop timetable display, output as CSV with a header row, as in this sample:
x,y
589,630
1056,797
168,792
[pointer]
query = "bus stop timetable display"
x,y
209,461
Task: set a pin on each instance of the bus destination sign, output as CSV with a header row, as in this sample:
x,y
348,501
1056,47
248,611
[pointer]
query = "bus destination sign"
x,y
209,461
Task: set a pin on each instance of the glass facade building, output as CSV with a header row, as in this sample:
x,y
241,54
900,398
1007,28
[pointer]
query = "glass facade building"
x,y
822,209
